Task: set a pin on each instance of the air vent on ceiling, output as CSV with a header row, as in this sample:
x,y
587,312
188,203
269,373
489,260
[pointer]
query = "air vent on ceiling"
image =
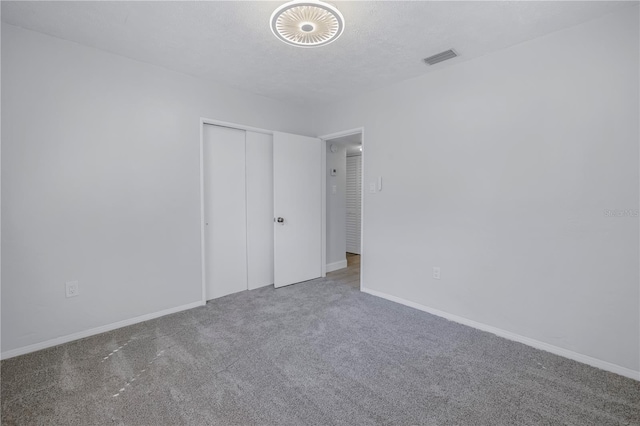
x,y
442,56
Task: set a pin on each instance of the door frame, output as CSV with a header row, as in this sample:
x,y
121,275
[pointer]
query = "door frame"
x,y
204,121
325,139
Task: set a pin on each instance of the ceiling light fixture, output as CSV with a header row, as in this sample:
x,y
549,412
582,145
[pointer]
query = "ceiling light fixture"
x,y
307,23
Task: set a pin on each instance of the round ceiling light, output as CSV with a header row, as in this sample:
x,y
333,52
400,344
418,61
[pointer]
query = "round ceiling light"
x,y
307,23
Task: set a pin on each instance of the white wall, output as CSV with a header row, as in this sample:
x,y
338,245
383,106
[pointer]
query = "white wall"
x,y
100,184
499,170
336,207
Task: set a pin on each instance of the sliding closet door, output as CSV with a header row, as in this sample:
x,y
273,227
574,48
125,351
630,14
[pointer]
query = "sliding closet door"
x,y
259,209
225,210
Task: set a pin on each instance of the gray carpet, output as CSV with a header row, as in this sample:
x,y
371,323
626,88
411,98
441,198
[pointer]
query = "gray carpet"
x,y
317,353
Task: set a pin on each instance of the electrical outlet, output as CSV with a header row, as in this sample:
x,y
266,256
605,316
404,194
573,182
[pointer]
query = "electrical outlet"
x,y
72,289
436,272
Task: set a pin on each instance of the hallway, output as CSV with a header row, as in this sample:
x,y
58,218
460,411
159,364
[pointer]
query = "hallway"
x,y
349,275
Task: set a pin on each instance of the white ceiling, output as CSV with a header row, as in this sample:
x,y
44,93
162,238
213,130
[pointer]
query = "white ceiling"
x,y
354,139
231,43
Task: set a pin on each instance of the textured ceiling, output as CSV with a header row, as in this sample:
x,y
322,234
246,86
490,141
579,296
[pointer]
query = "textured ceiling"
x,y
231,43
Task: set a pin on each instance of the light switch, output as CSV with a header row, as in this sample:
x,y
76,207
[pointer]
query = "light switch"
x,y
334,189
372,187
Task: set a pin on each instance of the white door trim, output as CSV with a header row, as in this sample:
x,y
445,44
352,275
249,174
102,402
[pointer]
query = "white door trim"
x,y
323,207
204,121
324,139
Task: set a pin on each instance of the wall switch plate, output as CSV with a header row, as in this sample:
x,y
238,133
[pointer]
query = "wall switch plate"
x,y
372,187
72,289
436,272
334,189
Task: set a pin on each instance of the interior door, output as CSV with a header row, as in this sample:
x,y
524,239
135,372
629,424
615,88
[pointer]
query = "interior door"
x,y
297,180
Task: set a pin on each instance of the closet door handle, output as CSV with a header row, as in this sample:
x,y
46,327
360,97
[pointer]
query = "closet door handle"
x,y
280,220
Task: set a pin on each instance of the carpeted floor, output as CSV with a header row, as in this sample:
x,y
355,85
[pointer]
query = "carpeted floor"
x,y
316,353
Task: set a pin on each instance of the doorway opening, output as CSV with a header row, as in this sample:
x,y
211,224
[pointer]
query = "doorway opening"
x,y
344,207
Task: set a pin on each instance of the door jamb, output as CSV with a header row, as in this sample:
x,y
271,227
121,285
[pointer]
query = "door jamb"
x,y
324,139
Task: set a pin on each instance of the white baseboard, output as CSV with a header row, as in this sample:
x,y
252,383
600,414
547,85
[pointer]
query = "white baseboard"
x,y
336,265
93,331
594,362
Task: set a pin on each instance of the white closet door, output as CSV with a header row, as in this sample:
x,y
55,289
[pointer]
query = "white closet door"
x,y
297,183
225,210
354,203
259,209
